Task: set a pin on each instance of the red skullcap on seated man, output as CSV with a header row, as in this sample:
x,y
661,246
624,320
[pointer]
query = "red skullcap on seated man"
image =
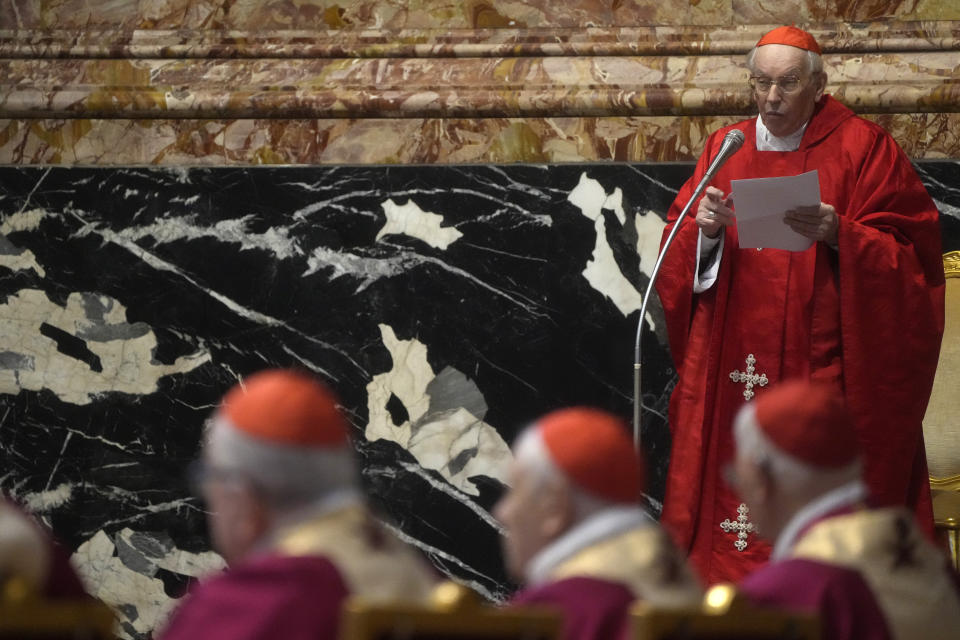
x,y
286,512
809,422
868,573
742,318
575,532
600,460
286,407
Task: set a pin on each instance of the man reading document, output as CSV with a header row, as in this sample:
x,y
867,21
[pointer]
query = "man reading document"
x,y
862,307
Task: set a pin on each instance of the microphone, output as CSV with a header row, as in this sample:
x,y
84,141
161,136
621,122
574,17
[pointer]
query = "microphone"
x,y
730,145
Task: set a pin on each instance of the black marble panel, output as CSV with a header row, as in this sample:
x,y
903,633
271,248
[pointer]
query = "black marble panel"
x,y
133,298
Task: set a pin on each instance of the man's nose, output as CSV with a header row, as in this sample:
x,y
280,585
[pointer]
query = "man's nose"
x,y
774,93
773,96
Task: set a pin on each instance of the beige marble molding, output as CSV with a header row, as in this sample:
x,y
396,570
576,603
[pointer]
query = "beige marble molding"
x,y
252,15
177,142
450,87
98,42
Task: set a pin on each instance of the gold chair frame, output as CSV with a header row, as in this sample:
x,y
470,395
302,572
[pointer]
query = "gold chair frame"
x,y
946,491
454,612
724,614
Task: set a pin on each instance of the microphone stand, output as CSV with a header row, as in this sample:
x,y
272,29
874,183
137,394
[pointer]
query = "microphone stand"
x,y
637,374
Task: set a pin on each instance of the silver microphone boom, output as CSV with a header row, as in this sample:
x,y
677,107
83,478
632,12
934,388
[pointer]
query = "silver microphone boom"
x,y
730,145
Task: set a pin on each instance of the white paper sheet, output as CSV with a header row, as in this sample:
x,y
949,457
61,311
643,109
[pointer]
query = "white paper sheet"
x,y
760,203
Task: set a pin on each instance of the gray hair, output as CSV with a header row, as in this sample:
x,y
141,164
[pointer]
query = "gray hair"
x,y
530,453
814,63
287,477
793,474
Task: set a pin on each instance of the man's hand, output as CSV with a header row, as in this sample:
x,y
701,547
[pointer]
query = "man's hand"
x,y
714,212
817,222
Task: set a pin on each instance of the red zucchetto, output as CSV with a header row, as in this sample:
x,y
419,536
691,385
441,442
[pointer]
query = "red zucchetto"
x,y
592,449
808,421
286,408
790,36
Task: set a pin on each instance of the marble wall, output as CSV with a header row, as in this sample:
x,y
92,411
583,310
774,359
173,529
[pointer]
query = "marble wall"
x,y
465,81
448,305
467,195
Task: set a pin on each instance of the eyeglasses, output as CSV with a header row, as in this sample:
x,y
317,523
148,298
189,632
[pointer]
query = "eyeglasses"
x,y
787,84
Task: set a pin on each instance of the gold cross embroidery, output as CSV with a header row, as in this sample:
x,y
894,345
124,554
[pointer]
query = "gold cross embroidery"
x,y
749,377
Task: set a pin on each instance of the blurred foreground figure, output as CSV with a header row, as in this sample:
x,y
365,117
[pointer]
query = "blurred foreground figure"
x,y
575,532
869,573
286,513
31,564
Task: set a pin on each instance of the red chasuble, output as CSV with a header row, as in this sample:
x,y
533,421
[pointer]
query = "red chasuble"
x,y
272,596
868,314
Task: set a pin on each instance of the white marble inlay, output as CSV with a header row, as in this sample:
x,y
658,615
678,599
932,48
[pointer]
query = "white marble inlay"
x,y
28,220
649,228
410,220
602,271
124,351
275,240
24,259
44,501
145,605
452,440
195,565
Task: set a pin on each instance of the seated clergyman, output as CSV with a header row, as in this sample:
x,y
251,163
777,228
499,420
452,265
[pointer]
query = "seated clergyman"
x,y
286,512
576,535
868,572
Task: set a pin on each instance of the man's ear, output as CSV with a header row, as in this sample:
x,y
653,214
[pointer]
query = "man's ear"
x,y
252,516
765,481
821,85
261,515
558,510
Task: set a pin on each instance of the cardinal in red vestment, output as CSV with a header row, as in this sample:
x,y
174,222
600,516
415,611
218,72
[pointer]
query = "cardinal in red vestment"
x,y
576,535
867,572
861,308
286,513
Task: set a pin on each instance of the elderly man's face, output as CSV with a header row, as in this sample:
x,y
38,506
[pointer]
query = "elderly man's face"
x,y
534,513
237,517
784,113
754,485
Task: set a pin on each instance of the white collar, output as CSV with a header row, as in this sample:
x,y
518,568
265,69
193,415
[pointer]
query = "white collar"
x,y
843,495
766,141
601,525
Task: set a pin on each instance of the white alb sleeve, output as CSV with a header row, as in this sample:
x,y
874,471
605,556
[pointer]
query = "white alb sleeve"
x,y
709,252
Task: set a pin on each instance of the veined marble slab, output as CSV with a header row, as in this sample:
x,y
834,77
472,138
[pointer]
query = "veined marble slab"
x,y
488,15
451,87
449,306
376,141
